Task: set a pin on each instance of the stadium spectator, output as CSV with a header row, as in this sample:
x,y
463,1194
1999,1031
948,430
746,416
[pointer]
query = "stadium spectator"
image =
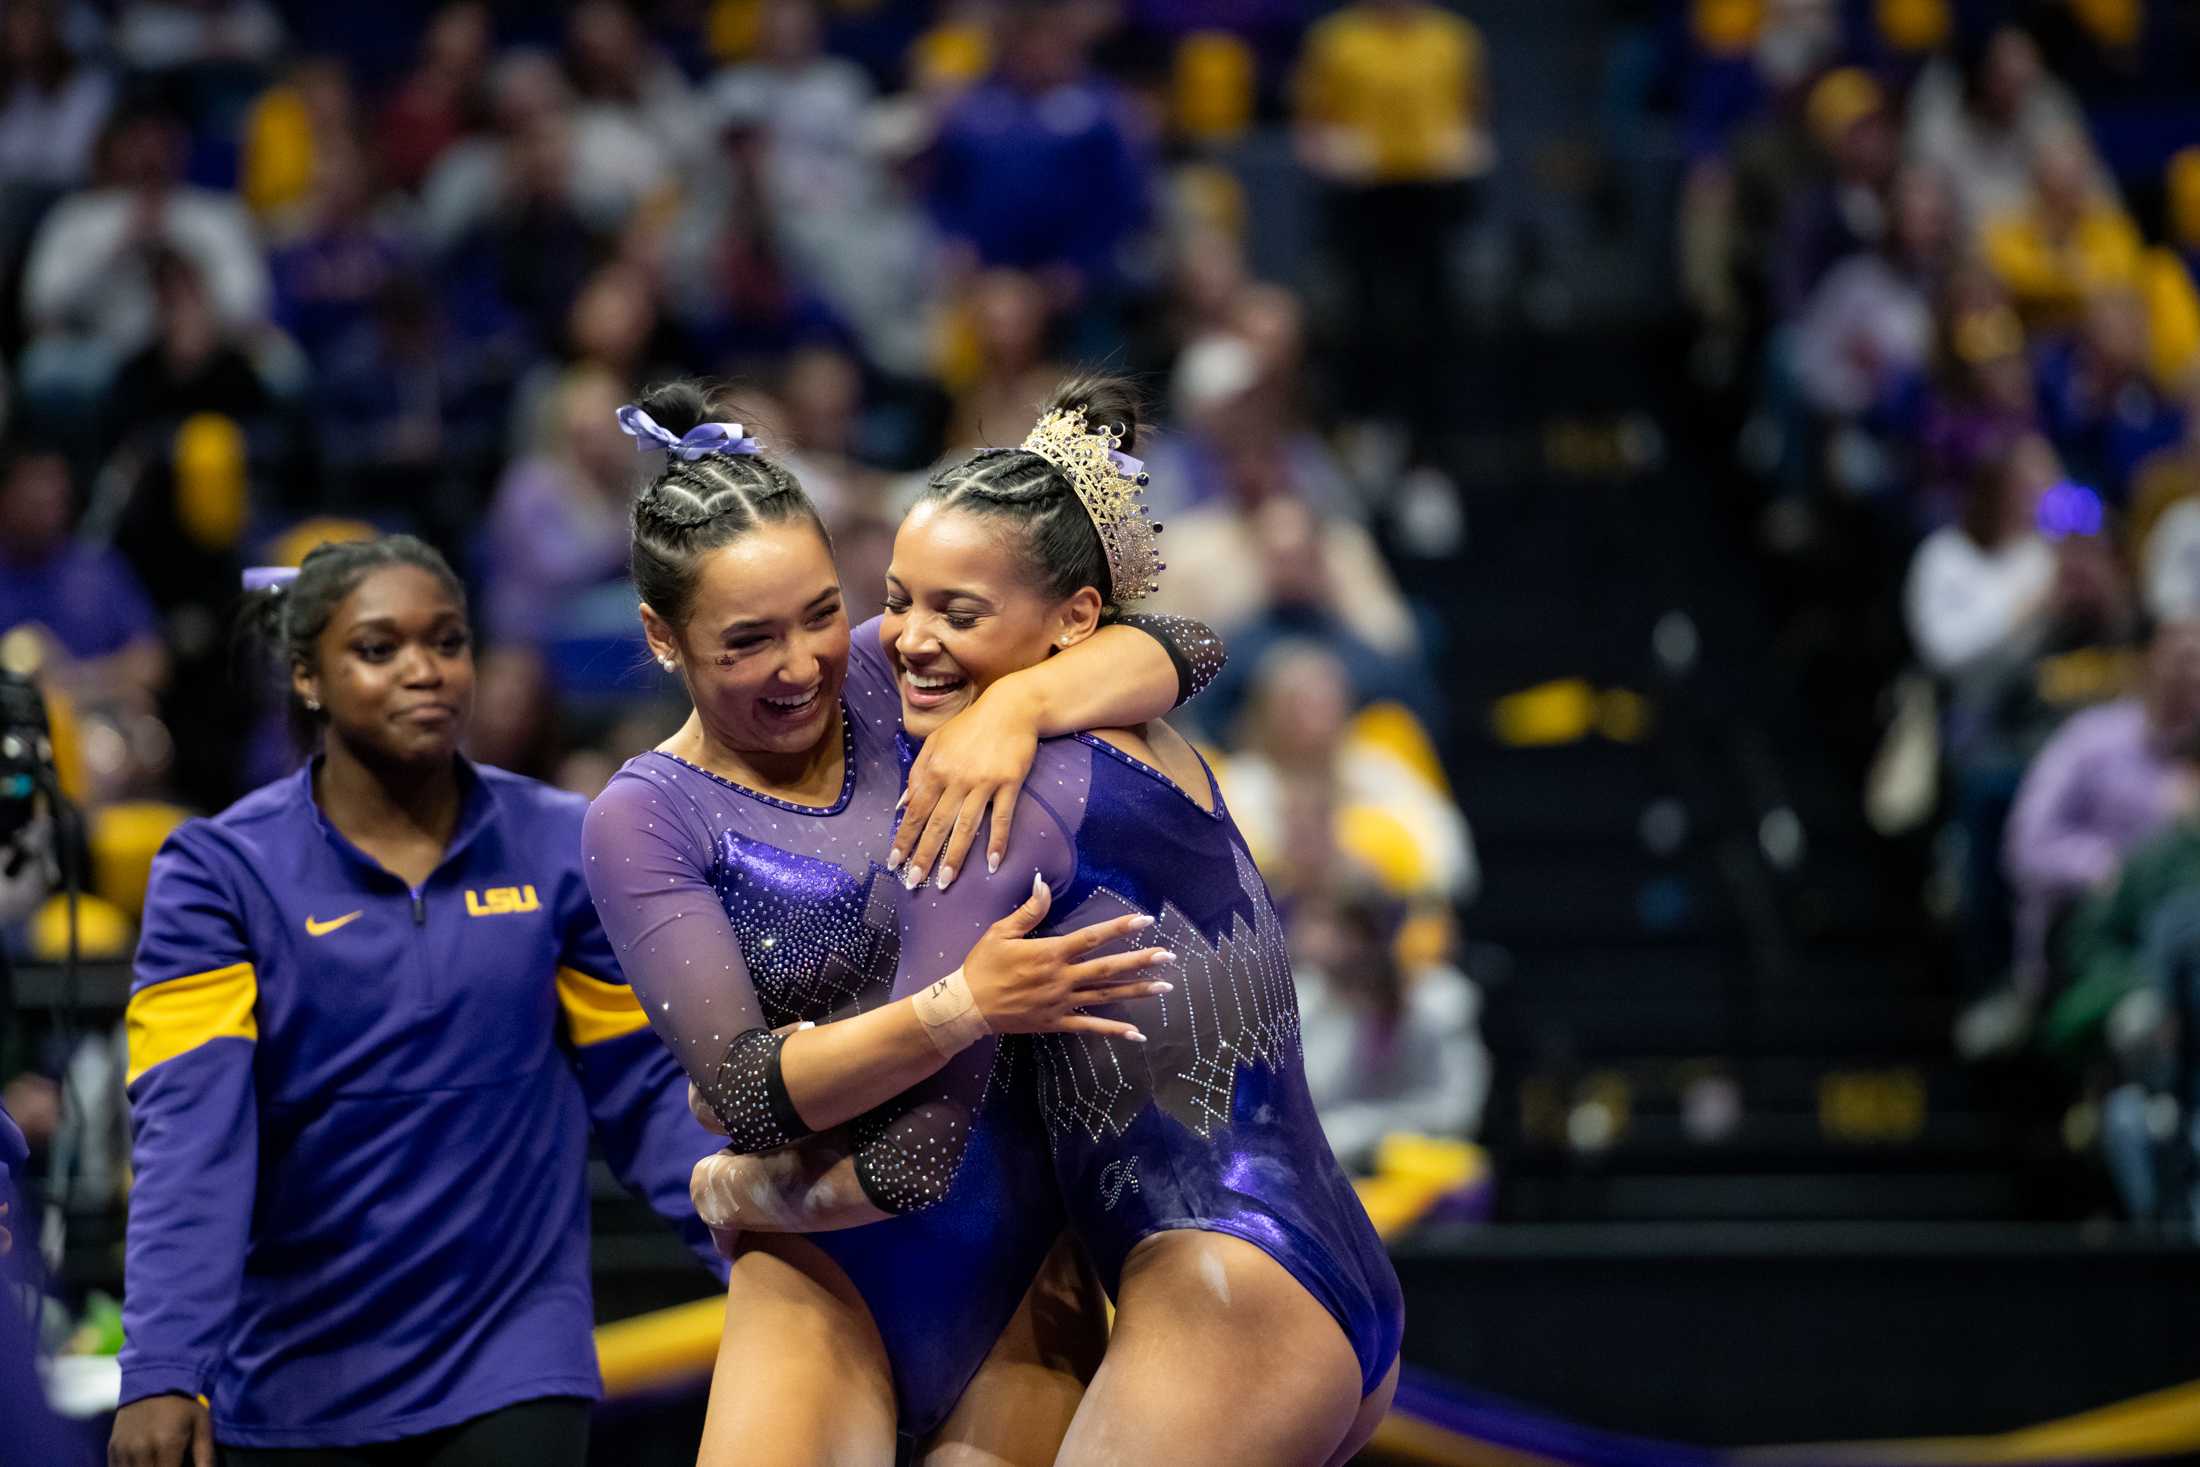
x,y
1866,334
617,73
1039,169
86,604
1389,1047
1984,116
1392,117
88,289
52,105
328,275
558,524
2068,240
1846,209
2107,781
194,364
444,97
1014,368
2098,401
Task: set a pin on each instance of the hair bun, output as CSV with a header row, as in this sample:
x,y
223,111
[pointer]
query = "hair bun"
x,y
1110,405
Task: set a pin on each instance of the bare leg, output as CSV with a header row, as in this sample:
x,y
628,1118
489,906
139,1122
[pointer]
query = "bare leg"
x,y
1372,1411
802,1378
1020,1402
1218,1357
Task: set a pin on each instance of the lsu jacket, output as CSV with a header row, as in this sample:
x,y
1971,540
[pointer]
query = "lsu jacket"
x,y
361,1120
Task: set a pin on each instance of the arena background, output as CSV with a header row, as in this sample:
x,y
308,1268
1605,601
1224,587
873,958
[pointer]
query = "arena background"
x,y
1664,471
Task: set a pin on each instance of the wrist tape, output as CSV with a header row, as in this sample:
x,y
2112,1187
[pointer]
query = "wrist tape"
x,y
950,1015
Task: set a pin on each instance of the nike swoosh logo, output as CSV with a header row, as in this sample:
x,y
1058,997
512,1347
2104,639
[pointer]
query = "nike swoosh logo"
x,y
323,929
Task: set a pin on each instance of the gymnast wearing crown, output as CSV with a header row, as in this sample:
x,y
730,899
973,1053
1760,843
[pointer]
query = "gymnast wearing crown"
x,y
741,871
1258,1317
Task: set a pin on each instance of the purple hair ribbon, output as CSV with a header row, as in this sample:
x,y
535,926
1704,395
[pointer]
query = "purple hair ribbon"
x,y
269,577
700,441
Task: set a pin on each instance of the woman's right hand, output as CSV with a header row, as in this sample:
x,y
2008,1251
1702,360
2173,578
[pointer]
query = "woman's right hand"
x,y
162,1431
1037,985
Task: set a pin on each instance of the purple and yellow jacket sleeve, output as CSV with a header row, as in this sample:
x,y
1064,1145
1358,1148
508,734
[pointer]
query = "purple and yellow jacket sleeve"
x,y
636,1091
193,1030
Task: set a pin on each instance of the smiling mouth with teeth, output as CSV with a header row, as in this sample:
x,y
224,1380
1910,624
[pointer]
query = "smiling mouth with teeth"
x,y
936,682
794,705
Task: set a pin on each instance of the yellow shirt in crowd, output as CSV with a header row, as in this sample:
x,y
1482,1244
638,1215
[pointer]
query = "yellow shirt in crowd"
x,y
1401,90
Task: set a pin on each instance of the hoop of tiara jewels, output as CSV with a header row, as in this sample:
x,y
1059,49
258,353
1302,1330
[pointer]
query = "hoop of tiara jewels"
x,y
1109,484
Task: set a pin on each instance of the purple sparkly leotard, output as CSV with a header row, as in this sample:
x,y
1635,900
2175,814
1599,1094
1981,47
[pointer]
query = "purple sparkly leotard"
x,y
1208,1125
735,914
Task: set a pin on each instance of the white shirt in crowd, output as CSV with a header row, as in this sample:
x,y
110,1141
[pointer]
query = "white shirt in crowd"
x,y
1970,608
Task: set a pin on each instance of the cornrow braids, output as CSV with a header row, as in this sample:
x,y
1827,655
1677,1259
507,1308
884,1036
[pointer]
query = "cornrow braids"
x,y
695,506
1059,540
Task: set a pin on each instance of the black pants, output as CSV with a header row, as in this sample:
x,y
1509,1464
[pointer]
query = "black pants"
x,y
1402,333
552,1432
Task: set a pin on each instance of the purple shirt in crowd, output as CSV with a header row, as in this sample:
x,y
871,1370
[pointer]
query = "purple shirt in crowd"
x,y
89,599
2096,791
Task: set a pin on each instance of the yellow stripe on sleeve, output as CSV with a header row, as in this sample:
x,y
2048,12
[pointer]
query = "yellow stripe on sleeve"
x,y
176,1017
596,1010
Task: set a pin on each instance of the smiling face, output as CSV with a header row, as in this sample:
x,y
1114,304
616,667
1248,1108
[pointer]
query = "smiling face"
x,y
764,648
394,669
963,610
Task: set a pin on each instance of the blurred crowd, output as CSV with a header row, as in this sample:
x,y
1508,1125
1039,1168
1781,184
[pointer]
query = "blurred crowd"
x,y
272,274
1961,243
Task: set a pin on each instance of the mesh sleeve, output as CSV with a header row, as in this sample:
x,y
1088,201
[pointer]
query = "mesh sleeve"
x,y
1195,648
649,875
908,1150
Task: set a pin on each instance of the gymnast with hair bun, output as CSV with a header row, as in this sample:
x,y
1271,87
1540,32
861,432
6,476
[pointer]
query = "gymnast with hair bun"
x,y
372,1023
1258,1316
755,883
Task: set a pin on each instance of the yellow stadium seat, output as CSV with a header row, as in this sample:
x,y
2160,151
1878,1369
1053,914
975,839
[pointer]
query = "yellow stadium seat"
x,y
2115,24
2173,317
277,163
1914,27
731,29
2183,205
1557,712
1378,840
297,542
1212,87
212,498
104,932
1727,27
949,56
1393,729
124,839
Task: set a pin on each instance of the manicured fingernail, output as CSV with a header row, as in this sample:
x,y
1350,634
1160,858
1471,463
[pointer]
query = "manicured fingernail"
x,y
1161,955
992,863
911,879
1161,988
1135,1037
902,803
1141,922
1038,883
947,877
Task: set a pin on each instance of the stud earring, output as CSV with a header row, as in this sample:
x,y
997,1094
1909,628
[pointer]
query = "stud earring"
x,y
667,663
313,705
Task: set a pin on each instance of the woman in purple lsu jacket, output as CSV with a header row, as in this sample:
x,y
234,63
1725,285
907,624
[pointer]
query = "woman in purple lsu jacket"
x,y
373,1021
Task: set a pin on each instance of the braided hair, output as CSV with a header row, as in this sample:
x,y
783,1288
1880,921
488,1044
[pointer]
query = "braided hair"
x,y
286,620
1059,543
695,506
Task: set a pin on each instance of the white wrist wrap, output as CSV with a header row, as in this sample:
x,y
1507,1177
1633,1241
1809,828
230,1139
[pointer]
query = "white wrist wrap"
x,y
950,1015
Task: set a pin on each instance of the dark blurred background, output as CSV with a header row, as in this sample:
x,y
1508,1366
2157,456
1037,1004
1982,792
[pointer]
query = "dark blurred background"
x,y
1742,457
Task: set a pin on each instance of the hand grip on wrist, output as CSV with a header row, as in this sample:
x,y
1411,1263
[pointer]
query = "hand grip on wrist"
x,y
950,1015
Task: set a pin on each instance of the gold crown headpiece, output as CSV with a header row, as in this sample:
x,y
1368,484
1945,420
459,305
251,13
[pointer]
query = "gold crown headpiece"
x,y
1109,483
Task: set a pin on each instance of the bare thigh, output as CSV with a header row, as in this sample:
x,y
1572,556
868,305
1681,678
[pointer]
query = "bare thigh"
x,y
1373,1409
802,1378
1219,1357
1019,1404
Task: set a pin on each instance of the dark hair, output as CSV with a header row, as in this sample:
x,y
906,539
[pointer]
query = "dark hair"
x,y
1059,540
697,505
286,621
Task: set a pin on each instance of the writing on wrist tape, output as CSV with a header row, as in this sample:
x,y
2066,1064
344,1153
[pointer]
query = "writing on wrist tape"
x,y
950,1015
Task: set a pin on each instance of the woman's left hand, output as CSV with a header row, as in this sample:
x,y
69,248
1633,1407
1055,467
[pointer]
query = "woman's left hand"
x,y
978,759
